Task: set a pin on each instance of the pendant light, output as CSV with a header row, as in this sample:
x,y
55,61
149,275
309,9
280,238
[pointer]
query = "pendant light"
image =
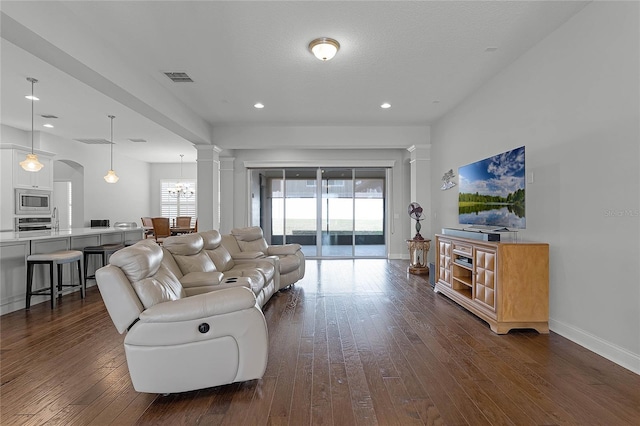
x,y
111,176
31,163
181,189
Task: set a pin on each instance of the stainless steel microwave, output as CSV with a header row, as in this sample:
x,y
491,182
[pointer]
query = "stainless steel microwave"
x,y
33,202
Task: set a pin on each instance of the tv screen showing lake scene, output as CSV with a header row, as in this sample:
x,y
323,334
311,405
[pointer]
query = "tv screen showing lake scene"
x,y
491,191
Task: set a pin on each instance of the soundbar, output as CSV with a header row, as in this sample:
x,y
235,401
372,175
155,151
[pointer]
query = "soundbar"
x,y
472,235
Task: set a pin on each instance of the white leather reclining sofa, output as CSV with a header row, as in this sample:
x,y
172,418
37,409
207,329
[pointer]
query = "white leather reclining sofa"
x,y
191,309
176,342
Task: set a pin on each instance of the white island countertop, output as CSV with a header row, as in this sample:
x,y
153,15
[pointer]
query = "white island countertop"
x,y
6,237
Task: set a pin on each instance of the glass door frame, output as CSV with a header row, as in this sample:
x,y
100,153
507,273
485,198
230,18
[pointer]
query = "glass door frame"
x,y
386,221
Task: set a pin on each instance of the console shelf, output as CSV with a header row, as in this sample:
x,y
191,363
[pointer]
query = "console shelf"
x,y
505,284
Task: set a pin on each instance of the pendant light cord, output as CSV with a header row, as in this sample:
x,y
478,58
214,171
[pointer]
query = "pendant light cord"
x,y
33,81
112,117
32,116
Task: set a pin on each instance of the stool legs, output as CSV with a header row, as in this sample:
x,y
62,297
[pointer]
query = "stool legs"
x,y
55,281
29,283
54,285
104,251
83,283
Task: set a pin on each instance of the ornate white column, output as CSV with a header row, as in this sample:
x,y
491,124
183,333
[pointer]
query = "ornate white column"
x,y
227,194
208,187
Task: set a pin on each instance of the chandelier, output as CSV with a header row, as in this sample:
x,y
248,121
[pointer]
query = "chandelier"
x,y
182,189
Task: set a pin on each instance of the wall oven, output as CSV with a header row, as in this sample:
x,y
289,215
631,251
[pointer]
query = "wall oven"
x,y
33,202
24,224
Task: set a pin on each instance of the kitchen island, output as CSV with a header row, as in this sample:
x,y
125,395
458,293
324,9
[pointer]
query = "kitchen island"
x,y
16,246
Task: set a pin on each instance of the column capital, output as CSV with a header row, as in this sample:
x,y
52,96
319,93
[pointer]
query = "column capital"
x,y
208,152
227,163
413,148
420,152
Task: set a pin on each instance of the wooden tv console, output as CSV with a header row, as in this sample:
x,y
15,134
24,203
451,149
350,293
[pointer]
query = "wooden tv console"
x,y
505,284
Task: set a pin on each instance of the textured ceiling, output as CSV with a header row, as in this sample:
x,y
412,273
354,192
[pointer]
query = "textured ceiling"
x,y
109,58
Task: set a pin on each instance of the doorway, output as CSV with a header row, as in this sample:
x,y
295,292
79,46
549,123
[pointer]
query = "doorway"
x,y
68,193
330,212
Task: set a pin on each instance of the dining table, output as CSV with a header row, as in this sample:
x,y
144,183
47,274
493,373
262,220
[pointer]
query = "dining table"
x,y
178,230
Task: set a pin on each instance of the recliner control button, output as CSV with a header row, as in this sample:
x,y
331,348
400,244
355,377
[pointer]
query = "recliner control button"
x,y
203,328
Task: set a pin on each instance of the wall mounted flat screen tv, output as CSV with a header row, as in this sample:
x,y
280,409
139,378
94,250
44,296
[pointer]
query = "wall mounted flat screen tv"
x,y
492,192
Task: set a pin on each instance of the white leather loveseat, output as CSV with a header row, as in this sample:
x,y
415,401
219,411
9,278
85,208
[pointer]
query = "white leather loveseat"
x,y
175,342
250,241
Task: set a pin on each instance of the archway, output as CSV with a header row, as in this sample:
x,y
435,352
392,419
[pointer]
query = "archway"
x,y
68,193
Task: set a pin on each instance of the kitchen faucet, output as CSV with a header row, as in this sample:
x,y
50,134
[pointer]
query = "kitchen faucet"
x,y
56,222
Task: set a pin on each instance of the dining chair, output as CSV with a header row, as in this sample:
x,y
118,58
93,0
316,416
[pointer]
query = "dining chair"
x,y
183,222
161,228
147,225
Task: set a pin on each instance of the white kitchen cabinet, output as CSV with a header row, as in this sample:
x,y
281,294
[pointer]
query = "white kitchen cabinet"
x,y
42,179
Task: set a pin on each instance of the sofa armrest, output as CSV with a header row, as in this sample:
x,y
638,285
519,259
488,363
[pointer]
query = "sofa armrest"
x,y
200,306
283,250
247,255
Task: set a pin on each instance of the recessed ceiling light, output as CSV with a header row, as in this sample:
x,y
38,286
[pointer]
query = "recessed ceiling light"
x,y
259,105
491,49
437,101
385,105
48,125
34,98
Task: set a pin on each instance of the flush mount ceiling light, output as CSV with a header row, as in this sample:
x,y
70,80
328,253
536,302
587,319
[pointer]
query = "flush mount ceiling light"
x,y
31,163
111,176
324,48
259,105
385,105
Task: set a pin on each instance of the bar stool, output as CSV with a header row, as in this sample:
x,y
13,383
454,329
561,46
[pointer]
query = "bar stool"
x,y
55,259
104,251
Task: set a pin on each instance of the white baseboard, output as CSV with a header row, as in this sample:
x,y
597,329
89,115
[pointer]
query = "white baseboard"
x,y
612,352
396,256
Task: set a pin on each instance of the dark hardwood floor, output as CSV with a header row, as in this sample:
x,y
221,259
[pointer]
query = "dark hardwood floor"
x,y
355,343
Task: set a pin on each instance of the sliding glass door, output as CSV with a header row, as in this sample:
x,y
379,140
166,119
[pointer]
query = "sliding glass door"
x,y
330,212
337,213
369,212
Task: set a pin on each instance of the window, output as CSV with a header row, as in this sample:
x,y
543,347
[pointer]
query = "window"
x,y
172,206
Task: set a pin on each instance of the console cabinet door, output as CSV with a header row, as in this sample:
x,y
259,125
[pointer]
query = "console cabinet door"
x,y
485,277
444,261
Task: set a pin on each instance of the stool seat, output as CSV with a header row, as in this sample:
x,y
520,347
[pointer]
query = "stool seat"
x,y
66,256
55,261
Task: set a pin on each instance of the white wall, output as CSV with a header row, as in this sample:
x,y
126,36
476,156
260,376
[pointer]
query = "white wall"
x,y
398,231
573,101
125,201
11,135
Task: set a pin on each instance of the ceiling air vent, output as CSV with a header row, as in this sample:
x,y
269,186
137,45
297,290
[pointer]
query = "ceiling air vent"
x,y
179,77
48,116
94,141
138,140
